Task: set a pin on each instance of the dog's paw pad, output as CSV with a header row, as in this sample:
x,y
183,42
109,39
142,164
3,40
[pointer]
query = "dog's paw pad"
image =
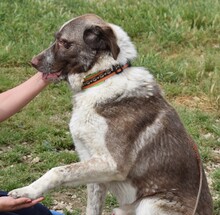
x,y
14,194
23,192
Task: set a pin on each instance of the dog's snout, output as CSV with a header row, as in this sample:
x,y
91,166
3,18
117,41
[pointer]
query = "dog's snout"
x,y
35,62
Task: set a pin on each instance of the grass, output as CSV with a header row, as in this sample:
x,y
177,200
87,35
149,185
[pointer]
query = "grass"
x,y
178,41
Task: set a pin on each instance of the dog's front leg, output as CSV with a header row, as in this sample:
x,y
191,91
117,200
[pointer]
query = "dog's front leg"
x,y
96,198
96,170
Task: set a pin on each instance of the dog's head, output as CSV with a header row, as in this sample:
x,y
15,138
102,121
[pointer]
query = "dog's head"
x,y
78,46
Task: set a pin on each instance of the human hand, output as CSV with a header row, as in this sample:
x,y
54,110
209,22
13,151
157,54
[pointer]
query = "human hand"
x,y
8,203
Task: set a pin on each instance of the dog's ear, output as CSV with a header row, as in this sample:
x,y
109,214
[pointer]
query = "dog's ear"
x,y
101,38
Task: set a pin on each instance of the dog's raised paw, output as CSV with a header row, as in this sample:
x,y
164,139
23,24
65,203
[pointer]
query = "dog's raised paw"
x,y
24,192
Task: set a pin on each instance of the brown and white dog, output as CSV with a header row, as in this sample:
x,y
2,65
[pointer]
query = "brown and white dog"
x,y
131,142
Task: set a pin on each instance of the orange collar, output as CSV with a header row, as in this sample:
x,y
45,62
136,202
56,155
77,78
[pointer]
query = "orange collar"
x,y
101,76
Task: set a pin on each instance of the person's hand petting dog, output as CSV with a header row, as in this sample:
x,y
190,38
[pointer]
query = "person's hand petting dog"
x,y
8,203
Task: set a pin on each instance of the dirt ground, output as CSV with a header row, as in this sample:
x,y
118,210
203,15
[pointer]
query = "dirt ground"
x,y
72,200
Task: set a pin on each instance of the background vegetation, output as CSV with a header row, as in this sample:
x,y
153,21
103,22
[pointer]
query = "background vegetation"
x,y
177,40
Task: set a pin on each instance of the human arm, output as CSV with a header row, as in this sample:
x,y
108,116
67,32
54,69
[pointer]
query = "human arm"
x,y
8,203
11,101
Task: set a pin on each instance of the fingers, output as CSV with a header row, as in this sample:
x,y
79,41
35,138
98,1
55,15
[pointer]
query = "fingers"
x,y
24,200
35,201
25,203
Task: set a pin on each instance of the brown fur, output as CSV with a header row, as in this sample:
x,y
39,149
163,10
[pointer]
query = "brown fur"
x,y
164,167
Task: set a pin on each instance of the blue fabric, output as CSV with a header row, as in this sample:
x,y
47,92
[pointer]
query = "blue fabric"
x,y
55,212
37,209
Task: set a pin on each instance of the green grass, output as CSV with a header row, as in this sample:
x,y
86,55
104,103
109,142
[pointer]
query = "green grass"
x,y
178,41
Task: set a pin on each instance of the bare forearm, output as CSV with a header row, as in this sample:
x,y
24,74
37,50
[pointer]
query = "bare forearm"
x,y
16,98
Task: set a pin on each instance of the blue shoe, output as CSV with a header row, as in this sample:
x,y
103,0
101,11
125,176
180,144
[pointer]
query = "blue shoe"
x,y
56,213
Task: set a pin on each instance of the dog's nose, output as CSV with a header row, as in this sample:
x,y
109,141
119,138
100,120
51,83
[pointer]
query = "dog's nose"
x,y
34,62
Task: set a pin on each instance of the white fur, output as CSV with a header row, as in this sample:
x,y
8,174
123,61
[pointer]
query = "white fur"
x,y
124,191
127,49
150,132
147,207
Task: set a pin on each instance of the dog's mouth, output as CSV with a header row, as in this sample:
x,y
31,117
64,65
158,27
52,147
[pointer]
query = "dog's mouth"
x,y
52,76
55,76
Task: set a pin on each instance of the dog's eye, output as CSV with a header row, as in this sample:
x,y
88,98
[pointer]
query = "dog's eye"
x,y
65,43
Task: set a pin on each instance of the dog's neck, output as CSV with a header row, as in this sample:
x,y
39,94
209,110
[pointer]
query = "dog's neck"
x,y
104,63
99,77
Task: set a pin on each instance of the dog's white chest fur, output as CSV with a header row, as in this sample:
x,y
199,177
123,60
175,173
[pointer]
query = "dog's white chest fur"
x,y
86,128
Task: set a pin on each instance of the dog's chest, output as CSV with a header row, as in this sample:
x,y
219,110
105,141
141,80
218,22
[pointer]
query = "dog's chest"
x,y
88,131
